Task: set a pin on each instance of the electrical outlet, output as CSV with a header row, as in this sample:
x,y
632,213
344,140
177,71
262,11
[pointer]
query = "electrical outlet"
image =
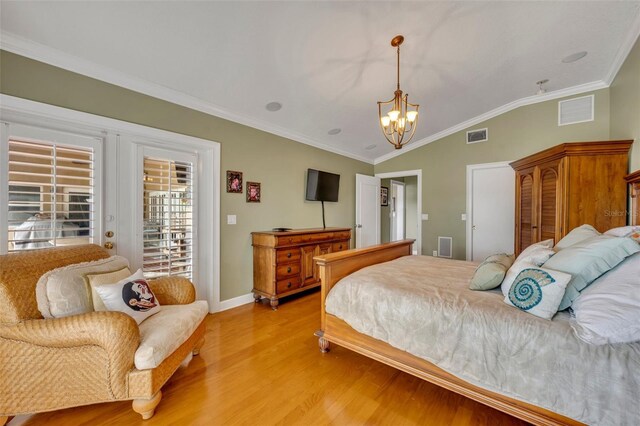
x,y
435,253
231,219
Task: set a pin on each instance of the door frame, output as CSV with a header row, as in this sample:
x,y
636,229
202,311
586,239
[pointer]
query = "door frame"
x,y
404,173
469,222
23,111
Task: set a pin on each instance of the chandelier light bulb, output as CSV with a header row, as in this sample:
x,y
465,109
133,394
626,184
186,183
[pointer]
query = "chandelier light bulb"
x,y
393,115
385,121
411,116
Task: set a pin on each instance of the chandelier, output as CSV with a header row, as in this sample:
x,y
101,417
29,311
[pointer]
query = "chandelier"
x,y
399,123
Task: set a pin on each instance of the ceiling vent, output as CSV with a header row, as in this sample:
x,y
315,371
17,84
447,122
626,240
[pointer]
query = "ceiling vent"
x,y
479,135
576,110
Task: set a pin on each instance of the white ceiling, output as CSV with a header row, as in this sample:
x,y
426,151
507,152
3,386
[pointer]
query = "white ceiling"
x,y
329,62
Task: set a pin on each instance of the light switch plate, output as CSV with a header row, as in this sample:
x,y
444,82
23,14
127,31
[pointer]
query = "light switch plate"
x,y
231,219
463,216
425,216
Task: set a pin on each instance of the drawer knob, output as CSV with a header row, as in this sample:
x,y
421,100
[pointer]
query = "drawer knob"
x,y
289,285
340,246
289,269
289,254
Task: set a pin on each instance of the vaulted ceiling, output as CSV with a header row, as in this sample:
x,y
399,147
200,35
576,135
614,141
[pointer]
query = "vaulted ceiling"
x,y
328,63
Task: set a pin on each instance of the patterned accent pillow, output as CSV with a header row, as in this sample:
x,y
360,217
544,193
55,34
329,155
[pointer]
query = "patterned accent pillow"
x,y
131,296
538,291
490,273
536,254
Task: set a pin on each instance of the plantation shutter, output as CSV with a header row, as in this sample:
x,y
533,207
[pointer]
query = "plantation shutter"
x,y
50,194
168,221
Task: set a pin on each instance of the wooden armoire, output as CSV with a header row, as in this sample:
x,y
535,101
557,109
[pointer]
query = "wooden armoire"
x,y
569,185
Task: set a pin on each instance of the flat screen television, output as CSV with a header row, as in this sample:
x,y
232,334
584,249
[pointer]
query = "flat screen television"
x,y
322,186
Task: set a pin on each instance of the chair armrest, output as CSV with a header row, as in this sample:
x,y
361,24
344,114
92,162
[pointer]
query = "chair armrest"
x,y
96,348
173,290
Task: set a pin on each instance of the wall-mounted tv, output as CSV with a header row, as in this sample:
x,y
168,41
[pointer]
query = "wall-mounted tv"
x,y
322,186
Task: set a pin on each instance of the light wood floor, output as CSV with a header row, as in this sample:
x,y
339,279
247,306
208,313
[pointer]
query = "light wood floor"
x,y
263,367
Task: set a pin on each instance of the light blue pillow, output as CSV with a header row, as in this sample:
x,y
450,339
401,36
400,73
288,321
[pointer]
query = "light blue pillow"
x,y
589,259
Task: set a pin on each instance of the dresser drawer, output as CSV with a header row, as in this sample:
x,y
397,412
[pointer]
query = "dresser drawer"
x,y
340,246
288,240
287,255
289,284
342,235
287,270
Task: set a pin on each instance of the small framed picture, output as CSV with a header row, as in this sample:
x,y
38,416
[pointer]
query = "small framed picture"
x,y
234,181
384,196
253,192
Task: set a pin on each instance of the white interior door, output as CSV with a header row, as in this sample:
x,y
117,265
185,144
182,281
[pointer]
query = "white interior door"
x,y
491,192
397,211
367,210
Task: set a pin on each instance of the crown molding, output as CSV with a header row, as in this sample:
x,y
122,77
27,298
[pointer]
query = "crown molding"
x,y
570,91
42,53
624,50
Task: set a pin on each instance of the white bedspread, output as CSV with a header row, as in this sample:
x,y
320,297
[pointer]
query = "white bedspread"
x,y
423,305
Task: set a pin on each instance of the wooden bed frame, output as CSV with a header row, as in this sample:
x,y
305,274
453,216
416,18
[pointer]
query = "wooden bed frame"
x,y
336,266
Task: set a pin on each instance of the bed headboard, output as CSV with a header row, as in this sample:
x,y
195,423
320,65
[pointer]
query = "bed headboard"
x,y
633,180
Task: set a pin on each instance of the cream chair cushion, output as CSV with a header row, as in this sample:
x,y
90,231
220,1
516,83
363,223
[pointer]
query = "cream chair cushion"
x,y
164,332
65,291
103,278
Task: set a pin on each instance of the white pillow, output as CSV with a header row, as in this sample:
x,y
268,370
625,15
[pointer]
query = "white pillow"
x,y
577,235
131,296
632,232
608,311
536,254
65,291
538,291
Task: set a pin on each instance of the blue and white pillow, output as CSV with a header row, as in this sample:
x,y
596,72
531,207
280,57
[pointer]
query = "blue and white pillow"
x,y
538,291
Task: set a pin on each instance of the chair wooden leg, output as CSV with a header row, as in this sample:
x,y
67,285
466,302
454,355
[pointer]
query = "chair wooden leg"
x,y
147,407
197,347
4,420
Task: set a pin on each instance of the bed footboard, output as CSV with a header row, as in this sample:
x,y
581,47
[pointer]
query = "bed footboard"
x,y
335,266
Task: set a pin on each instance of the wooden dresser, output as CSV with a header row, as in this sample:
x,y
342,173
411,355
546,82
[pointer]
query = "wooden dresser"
x,y
283,261
569,185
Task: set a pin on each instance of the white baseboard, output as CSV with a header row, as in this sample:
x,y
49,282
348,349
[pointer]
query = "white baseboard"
x,y
235,302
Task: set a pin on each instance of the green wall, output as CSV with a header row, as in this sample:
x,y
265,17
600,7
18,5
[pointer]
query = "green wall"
x,y
625,103
512,135
278,163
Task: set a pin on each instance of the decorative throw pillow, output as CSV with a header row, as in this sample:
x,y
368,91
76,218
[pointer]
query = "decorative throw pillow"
x,y
538,291
608,311
536,254
589,259
576,235
64,291
632,232
490,273
101,279
132,296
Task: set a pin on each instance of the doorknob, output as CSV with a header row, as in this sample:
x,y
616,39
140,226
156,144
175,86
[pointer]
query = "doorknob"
x,y
473,227
108,234
108,245
358,226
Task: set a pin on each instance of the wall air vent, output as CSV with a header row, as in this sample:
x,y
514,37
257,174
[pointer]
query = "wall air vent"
x,y
576,110
479,135
445,247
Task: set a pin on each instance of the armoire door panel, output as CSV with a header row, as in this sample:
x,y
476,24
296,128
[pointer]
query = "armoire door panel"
x,y
525,222
549,181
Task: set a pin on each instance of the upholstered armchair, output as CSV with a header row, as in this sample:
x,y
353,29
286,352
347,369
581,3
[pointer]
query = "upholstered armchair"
x,y
50,364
